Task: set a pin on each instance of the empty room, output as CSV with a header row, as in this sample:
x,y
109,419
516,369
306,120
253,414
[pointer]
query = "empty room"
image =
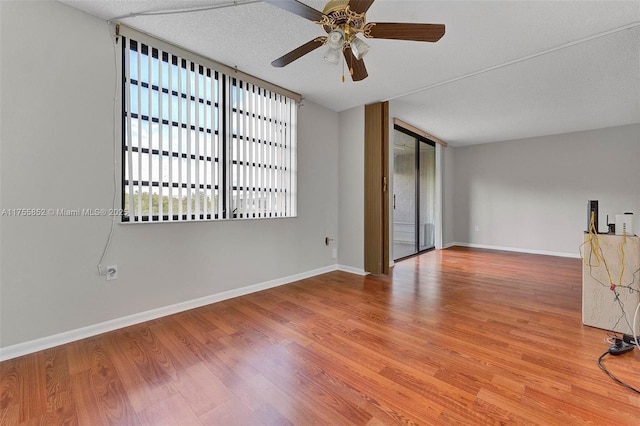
x,y
345,212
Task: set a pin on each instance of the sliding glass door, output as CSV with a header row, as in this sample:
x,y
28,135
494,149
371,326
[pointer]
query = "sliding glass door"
x,y
413,194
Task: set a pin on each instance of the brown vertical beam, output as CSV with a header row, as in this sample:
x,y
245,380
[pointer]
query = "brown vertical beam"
x,y
376,185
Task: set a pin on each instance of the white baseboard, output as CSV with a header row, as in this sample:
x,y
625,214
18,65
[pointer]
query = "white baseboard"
x,y
103,327
352,270
517,250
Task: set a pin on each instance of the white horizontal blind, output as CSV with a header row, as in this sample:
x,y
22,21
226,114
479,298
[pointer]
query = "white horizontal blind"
x,y
262,152
200,145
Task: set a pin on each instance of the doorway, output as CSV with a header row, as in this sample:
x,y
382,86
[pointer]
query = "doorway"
x,y
414,190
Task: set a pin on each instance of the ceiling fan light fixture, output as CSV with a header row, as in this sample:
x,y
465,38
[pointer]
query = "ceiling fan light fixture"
x,y
333,55
359,48
343,21
336,39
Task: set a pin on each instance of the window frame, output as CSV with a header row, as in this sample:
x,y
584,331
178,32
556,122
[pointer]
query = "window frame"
x,y
226,108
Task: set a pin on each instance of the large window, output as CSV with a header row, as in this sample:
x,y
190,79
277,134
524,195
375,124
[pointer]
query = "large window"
x,y
200,144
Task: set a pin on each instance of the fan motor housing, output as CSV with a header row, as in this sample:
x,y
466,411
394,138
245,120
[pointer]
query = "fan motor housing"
x,y
335,6
337,14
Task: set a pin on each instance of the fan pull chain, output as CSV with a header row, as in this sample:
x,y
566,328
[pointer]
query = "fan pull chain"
x,y
342,69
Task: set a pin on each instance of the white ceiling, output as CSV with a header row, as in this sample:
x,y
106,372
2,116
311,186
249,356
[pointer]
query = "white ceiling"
x,y
504,69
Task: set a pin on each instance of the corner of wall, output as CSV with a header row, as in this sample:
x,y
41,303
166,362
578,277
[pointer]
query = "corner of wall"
x,y
351,183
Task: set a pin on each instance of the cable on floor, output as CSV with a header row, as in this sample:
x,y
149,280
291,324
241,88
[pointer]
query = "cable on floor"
x,y
620,382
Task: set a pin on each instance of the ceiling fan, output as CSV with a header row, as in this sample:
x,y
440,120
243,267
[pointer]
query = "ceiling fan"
x,y
343,20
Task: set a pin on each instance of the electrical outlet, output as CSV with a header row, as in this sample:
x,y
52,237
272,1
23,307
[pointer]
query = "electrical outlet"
x,y
112,272
334,253
477,228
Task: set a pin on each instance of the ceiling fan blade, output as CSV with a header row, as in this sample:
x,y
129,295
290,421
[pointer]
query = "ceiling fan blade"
x,y
297,8
356,66
299,52
360,6
400,31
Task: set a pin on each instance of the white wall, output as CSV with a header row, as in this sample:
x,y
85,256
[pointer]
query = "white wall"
x,y
448,174
351,203
57,80
532,194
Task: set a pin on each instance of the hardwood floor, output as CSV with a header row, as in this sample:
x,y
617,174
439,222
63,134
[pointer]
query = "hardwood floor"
x,y
458,336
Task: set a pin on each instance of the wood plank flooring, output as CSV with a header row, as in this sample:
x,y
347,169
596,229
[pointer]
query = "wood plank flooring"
x,y
453,337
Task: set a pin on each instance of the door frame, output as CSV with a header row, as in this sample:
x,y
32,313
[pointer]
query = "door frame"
x,y
376,183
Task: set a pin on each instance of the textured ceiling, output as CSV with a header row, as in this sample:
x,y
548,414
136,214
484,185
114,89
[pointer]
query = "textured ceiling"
x,y
503,70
